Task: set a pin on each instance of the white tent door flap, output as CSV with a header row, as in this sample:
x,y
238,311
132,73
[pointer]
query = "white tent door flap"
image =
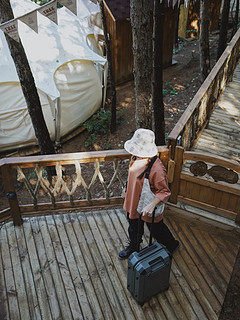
x,y
80,93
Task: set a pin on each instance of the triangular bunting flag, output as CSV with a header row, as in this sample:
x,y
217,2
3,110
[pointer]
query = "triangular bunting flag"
x,y
11,28
50,11
70,4
30,20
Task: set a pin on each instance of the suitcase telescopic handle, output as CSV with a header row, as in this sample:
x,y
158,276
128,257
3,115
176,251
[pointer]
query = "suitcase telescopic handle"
x,y
139,226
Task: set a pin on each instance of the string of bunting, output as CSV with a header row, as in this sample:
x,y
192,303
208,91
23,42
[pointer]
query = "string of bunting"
x,y
48,10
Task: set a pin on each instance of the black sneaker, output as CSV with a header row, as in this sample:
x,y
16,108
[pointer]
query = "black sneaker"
x,y
124,254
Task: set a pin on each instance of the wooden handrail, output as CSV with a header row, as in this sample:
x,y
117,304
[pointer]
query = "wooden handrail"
x,y
197,114
70,158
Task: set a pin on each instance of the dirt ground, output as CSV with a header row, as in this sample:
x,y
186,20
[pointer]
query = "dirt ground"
x,y
181,82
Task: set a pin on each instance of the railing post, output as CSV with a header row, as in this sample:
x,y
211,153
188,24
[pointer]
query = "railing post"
x,y
11,195
177,171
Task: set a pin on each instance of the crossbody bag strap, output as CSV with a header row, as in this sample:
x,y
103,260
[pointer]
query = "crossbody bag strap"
x,y
147,171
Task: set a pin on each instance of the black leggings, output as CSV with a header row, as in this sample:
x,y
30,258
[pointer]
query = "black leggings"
x,y
160,232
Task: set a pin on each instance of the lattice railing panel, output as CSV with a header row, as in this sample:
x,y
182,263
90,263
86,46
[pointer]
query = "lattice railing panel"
x,y
69,181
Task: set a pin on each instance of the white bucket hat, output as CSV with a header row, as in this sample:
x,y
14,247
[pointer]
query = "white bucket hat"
x,y
142,144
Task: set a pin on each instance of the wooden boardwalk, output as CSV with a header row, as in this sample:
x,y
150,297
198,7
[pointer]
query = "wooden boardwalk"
x,y
66,267
222,135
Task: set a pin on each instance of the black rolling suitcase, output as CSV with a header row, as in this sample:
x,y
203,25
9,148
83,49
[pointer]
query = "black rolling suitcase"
x,y
148,271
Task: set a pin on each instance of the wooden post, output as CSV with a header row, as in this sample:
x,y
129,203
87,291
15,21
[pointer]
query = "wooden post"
x,y
177,171
11,195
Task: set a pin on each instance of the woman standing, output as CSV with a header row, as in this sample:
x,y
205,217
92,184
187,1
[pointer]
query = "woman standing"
x,y
143,149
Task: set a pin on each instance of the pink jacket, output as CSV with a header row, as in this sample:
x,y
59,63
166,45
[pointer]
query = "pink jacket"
x,y
158,183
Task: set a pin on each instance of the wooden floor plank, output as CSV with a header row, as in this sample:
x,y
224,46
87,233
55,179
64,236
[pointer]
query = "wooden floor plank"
x,y
27,274
184,238
215,252
89,272
89,303
44,267
18,274
208,302
52,270
218,266
73,267
3,295
43,302
205,261
7,275
64,269
74,257
88,246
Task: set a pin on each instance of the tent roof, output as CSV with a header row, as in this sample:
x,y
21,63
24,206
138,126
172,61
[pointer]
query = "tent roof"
x,y
48,49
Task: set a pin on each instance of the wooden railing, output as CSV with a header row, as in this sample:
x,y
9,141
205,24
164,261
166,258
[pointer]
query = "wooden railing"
x,y
197,114
208,182
78,180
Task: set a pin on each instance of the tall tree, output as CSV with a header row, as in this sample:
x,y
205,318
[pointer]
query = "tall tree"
x,y
204,39
223,29
157,84
27,83
110,69
140,22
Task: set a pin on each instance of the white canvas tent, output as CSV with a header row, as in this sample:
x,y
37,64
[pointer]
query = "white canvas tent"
x,y
68,74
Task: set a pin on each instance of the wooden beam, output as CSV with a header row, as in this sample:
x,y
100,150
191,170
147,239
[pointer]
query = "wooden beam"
x,y
66,205
214,185
208,207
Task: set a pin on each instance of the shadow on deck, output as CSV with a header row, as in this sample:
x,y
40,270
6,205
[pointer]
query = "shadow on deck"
x,y
66,267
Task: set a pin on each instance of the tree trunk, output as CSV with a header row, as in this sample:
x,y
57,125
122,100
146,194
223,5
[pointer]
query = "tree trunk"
x,y
157,85
142,70
110,69
176,41
223,29
235,20
28,85
204,39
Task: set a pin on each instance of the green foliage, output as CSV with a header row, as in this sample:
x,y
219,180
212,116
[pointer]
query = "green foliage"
x,y
107,145
90,140
98,123
169,89
120,116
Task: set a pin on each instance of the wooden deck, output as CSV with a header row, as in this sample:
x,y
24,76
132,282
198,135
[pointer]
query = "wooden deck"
x,y
66,267
222,135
